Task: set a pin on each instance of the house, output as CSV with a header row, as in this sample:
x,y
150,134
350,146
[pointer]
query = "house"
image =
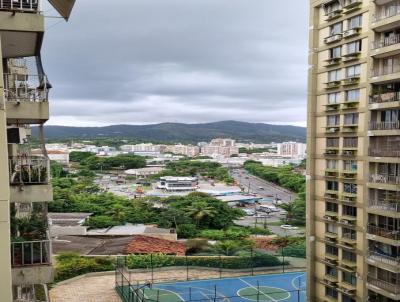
x,y
62,224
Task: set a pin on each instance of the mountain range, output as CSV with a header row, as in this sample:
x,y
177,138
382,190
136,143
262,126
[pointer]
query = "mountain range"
x,y
184,133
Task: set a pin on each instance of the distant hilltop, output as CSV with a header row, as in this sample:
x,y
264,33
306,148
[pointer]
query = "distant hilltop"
x,y
184,133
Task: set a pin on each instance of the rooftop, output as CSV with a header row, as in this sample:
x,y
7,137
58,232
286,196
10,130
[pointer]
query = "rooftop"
x,y
149,245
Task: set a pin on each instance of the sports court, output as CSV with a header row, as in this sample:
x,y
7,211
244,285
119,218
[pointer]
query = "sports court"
x,y
288,287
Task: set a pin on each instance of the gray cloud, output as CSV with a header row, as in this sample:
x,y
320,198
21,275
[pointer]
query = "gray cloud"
x,y
146,61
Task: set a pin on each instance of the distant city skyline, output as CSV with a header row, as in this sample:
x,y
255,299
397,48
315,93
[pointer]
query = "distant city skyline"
x,y
150,61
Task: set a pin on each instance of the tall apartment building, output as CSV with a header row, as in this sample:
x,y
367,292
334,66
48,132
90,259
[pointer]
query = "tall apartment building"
x,y
353,177
291,149
25,249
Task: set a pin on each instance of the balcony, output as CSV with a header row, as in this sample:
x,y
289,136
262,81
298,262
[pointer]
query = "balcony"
x,y
383,232
384,125
384,74
29,179
348,174
382,258
331,172
333,14
20,5
392,288
384,179
331,129
351,56
349,105
333,39
351,32
332,107
27,98
382,205
332,62
385,42
349,128
354,80
351,5
384,152
332,84
31,262
383,98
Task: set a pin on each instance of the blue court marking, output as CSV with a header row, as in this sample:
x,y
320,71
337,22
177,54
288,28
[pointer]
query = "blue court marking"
x,y
227,289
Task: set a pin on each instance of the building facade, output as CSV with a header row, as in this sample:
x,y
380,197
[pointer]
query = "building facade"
x,y
25,190
353,176
291,149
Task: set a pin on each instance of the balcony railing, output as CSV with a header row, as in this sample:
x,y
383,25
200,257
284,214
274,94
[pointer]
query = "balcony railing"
x,y
384,125
23,5
384,179
377,72
395,39
387,12
385,97
384,152
383,258
393,288
29,170
29,253
32,88
384,206
383,232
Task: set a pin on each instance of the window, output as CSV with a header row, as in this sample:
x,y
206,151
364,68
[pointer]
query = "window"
x,y
331,292
331,207
346,298
333,250
332,164
331,271
354,47
389,116
349,278
332,7
349,233
353,71
349,211
332,185
350,188
333,98
333,120
350,142
332,142
334,75
353,95
351,119
354,22
331,228
335,29
350,165
335,52
349,256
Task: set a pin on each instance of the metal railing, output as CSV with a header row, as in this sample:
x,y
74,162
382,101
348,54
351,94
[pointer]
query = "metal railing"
x,y
393,288
29,170
386,70
350,143
383,258
22,5
385,206
387,12
28,253
395,39
384,179
385,97
32,88
383,232
384,125
384,152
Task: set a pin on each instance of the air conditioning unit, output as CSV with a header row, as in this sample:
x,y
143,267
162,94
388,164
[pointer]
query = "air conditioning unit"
x,y
18,135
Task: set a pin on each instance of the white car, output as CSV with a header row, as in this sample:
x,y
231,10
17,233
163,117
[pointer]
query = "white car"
x,y
289,227
249,212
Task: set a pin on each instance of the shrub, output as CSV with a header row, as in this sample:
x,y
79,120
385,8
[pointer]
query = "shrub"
x,y
187,230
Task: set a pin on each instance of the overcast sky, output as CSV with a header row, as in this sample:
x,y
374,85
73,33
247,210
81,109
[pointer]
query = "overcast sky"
x,y
150,61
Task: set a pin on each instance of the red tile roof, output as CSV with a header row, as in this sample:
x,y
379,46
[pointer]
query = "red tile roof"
x,y
150,245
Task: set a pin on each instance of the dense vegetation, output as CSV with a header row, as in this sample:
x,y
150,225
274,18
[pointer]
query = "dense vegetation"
x,y
92,162
286,178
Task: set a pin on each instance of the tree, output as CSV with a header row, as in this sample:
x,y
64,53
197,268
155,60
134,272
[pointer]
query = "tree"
x,y
200,210
117,212
290,208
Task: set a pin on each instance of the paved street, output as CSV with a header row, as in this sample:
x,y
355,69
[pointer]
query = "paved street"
x,y
268,189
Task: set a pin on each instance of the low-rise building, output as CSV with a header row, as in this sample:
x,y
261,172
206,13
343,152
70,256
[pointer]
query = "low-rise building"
x,y
187,150
172,183
63,224
144,172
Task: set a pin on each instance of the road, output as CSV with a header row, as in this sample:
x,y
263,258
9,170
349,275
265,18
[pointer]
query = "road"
x,y
252,184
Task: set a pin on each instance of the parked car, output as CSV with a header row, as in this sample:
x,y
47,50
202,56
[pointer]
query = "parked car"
x,y
268,209
289,227
249,212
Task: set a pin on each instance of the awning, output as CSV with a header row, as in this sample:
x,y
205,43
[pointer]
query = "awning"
x,y
64,7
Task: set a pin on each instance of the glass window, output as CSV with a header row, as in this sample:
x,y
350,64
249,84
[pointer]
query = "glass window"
x,y
349,256
331,292
349,278
332,7
333,250
333,120
355,22
331,228
334,75
331,207
336,28
332,142
353,95
351,119
349,233
350,142
335,52
350,165
354,47
334,98
350,188
353,71
349,211
332,185
331,164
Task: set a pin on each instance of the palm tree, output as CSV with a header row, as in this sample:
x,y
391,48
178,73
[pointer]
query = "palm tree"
x,y
290,209
200,210
117,212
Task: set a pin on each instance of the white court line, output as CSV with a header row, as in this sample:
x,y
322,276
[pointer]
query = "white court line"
x,y
257,290
172,292
293,283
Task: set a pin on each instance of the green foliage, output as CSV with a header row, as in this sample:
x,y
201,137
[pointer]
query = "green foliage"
x,y
102,221
79,157
160,260
255,150
126,161
57,170
187,230
70,265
